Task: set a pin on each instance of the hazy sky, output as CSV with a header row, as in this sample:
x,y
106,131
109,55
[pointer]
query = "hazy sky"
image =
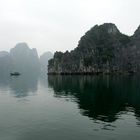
x,y
51,25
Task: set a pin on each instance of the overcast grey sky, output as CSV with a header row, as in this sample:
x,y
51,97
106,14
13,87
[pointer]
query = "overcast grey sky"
x,y
51,25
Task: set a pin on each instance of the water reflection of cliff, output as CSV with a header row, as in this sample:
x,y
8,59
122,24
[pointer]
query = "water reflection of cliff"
x,y
102,98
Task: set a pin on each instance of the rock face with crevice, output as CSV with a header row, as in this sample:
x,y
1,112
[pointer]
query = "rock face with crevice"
x,y
103,49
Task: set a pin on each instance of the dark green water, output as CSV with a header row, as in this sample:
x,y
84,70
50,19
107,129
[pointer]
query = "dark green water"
x,y
69,108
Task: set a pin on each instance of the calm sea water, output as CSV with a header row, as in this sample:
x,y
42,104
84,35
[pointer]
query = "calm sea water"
x,y
69,107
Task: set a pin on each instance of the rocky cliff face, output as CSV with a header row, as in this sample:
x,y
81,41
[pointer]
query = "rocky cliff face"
x,y
103,49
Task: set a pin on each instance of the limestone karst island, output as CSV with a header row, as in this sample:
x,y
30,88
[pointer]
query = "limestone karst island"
x,y
103,49
70,70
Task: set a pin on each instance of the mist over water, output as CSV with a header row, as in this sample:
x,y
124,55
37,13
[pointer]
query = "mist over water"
x,y
93,38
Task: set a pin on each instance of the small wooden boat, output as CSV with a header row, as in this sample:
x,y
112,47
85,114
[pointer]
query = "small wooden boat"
x,y
14,73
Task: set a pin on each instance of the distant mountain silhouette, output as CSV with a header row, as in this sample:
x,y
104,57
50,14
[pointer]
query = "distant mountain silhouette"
x,y
24,59
44,58
5,62
21,58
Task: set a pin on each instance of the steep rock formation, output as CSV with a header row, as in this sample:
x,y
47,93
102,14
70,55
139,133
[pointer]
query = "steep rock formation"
x,y
24,59
103,49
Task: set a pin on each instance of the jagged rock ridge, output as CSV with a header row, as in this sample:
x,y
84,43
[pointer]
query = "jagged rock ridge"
x,y
103,49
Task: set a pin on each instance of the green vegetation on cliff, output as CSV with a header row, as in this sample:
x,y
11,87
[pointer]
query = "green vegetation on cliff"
x,y
103,49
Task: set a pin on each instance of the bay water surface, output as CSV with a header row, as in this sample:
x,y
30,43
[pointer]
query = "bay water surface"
x,y
34,107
